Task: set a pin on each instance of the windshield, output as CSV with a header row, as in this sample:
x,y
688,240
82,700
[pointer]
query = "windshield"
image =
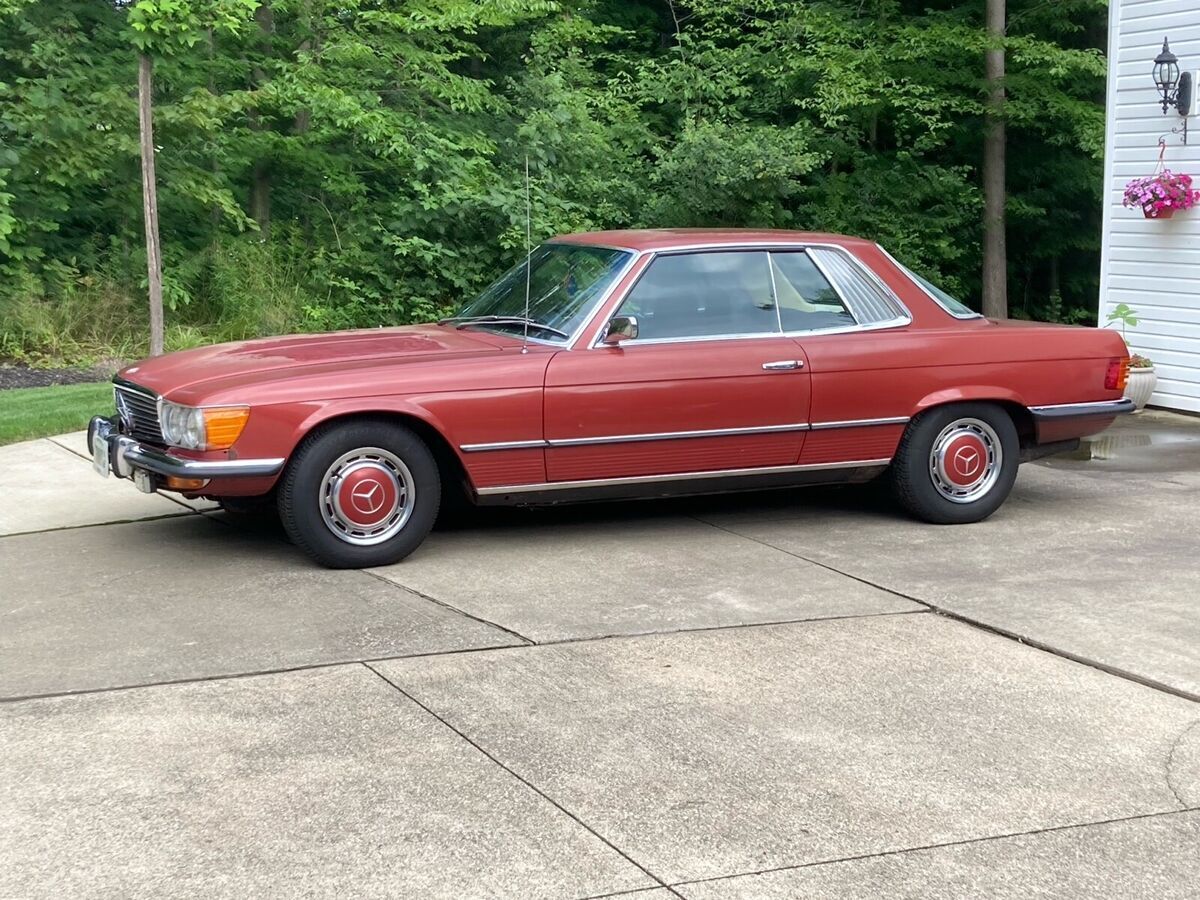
x,y
565,280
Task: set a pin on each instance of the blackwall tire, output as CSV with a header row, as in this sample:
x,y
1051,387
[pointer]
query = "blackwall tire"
x,y
363,493
956,464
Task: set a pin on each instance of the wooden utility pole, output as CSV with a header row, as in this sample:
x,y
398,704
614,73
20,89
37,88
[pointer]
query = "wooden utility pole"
x,y
150,201
995,253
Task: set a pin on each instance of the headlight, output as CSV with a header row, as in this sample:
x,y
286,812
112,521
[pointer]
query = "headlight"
x,y
201,428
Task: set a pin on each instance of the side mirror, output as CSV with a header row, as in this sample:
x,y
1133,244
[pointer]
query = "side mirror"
x,y
620,328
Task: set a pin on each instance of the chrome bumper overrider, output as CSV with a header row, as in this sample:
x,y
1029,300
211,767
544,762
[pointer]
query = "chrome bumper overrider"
x,y
126,457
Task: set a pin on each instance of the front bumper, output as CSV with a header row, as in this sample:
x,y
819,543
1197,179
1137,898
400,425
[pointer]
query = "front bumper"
x,y
124,457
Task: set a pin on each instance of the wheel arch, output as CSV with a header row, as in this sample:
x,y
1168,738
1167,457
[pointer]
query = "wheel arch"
x,y
450,465
1006,399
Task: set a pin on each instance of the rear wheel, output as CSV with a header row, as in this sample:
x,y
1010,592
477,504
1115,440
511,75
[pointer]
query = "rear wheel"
x,y
364,493
956,464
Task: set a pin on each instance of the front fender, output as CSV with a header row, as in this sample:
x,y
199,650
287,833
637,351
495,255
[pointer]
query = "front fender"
x,y
274,431
393,406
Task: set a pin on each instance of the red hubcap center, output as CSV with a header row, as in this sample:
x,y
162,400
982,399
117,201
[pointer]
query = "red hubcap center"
x,y
965,460
367,496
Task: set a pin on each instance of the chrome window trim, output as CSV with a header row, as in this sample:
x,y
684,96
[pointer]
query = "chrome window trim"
x,y
775,292
648,342
636,438
860,423
678,476
632,250
852,329
905,317
903,269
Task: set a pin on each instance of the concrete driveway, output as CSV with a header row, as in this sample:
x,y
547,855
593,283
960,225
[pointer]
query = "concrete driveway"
x,y
765,696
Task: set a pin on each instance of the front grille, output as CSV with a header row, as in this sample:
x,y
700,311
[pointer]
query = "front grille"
x,y
138,409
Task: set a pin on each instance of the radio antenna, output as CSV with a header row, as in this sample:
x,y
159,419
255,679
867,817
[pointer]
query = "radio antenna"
x,y
528,254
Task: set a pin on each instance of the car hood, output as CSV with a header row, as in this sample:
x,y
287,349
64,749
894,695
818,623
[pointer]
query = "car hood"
x,y
186,374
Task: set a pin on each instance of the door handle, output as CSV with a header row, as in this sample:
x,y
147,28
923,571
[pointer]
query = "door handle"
x,y
783,364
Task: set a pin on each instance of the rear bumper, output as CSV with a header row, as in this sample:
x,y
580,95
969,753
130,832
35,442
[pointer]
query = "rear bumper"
x,y
1067,421
126,456
1100,409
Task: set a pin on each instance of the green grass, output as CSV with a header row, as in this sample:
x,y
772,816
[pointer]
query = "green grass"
x,y
27,413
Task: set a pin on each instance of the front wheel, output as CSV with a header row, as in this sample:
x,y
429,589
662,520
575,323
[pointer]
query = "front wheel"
x,y
956,464
364,493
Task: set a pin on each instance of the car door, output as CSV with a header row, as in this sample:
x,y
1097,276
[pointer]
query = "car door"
x,y
710,383
852,329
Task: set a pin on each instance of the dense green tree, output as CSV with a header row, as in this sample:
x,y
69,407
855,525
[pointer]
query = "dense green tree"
x,y
359,162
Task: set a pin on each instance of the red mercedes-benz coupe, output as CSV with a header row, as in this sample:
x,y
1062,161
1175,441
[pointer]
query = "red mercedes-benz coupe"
x,y
615,365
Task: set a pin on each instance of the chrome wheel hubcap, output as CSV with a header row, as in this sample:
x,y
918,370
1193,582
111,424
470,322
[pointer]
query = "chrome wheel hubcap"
x,y
367,496
966,460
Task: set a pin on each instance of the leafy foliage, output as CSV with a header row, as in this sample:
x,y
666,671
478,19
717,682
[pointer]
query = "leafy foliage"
x,y
326,164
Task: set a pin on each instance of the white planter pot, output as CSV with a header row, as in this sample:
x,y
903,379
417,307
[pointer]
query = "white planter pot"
x,y
1141,385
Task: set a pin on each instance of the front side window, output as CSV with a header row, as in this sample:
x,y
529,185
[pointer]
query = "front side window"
x,y
564,281
711,294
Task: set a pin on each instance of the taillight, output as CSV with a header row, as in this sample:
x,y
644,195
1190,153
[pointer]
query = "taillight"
x,y
1117,374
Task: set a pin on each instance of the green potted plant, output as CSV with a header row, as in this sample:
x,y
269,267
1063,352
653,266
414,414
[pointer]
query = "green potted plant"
x,y
1142,377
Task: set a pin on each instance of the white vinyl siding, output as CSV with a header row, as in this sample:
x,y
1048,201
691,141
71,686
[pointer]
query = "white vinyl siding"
x,y
1153,265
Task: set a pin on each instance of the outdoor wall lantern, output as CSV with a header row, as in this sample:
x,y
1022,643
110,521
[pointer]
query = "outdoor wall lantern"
x,y
1175,86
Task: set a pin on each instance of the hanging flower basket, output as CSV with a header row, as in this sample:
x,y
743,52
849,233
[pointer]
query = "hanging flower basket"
x,y
1161,194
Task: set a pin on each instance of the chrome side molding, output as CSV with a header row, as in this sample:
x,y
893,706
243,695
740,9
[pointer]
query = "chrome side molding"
x,y
503,445
677,435
678,476
861,423
634,438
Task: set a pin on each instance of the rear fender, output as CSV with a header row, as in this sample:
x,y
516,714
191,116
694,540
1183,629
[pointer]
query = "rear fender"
x,y
969,394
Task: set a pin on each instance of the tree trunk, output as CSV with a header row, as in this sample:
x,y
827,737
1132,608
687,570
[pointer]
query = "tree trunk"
x,y
150,202
260,199
995,254
260,180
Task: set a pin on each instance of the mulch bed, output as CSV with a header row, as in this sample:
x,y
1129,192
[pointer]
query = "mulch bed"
x,y
19,376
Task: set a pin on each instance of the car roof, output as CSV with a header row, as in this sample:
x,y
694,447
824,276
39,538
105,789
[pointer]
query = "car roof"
x,y
645,239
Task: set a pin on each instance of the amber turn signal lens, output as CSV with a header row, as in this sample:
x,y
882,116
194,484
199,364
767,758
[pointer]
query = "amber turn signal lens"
x,y
175,483
223,425
1117,375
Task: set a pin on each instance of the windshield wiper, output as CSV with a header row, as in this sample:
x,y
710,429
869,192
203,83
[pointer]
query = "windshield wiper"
x,y
465,321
